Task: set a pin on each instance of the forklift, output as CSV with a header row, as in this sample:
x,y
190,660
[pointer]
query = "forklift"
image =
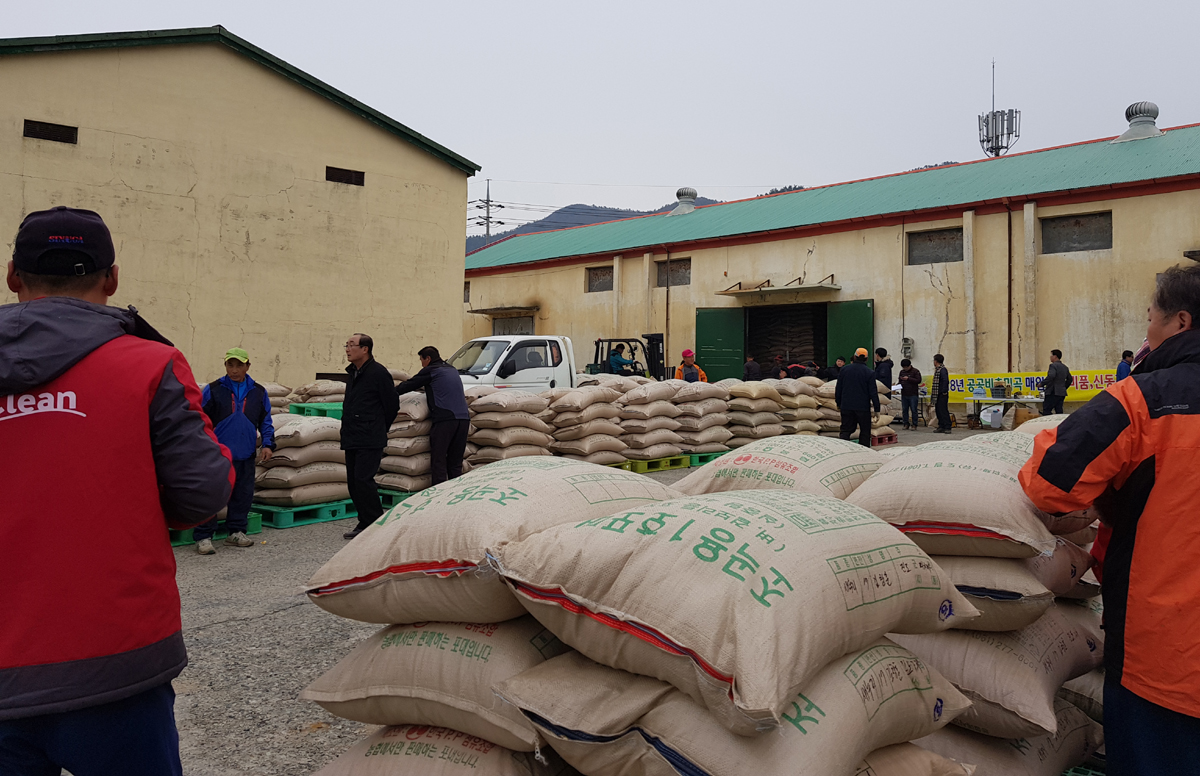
x,y
647,355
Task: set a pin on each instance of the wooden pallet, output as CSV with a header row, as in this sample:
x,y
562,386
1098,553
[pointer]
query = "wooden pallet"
x,y
699,459
290,517
325,409
184,538
660,464
885,439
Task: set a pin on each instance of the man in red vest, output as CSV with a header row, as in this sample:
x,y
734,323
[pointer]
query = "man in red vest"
x,y
103,446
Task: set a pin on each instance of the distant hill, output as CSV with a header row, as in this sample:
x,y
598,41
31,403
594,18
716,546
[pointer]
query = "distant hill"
x,y
574,215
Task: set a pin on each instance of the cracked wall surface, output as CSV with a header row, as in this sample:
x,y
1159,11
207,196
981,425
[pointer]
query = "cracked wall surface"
x,y
210,171
1089,304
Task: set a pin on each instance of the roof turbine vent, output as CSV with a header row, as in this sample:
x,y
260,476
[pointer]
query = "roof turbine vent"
x,y
687,201
1141,116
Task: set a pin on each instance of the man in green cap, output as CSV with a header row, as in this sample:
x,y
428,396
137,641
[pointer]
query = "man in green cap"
x,y
239,410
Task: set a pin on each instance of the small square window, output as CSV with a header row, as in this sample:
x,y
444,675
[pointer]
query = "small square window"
x,y
935,247
44,130
681,272
599,279
351,177
1067,234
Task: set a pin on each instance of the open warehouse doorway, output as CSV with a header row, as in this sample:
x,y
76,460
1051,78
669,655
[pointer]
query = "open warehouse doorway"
x,y
817,331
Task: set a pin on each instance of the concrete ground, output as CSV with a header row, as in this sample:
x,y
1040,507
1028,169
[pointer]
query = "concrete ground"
x,y
255,641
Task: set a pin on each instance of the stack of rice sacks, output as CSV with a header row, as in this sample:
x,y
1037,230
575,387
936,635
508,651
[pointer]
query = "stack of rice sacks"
x,y
1023,570
703,419
831,416
451,634
308,466
586,423
754,409
800,411
279,396
505,424
320,391
649,421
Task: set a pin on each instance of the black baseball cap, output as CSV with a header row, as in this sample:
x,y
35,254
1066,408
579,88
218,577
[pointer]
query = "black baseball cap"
x,y
63,241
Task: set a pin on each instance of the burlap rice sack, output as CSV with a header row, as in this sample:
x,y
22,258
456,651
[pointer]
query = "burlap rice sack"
x,y
689,423
910,760
755,390
309,474
650,392
492,454
613,723
602,426
595,443
752,419
511,420
800,426
478,391
594,412
439,674
708,447
1012,678
403,482
1040,424
303,496
1063,570
651,438
1077,737
800,414
640,426
958,498
507,437
305,431
581,398
653,453
413,406
404,429
716,434
652,409
417,750
764,431
412,465
699,409
697,392
1086,693
407,446
829,467
1013,440
1007,595
602,458
327,450
754,405
779,584
422,561
275,389
510,401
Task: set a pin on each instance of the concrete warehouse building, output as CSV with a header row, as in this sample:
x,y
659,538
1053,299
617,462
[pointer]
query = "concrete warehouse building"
x,y
251,204
992,263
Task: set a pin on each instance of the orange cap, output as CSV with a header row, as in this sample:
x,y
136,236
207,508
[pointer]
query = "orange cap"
x,y
861,352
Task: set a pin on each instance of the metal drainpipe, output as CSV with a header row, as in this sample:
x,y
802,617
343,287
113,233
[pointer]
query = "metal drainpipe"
x,y
667,331
969,282
1008,208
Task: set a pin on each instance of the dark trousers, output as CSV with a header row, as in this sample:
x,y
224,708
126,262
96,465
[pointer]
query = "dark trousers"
x,y
1053,405
361,468
942,406
1144,739
131,737
861,419
911,404
238,511
447,443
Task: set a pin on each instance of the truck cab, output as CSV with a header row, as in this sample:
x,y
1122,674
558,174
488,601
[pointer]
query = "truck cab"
x,y
528,362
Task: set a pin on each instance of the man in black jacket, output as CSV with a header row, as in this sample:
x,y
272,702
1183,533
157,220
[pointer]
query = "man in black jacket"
x,y
447,409
939,393
883,368
368,411
855,395
751,370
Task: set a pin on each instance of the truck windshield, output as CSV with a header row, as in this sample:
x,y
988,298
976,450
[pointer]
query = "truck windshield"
x,y
478,356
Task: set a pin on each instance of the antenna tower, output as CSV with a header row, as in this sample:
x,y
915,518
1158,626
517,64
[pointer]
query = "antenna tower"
x,y
999,130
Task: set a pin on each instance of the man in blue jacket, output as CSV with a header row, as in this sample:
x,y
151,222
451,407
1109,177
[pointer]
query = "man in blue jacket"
x,y
239,410
447,410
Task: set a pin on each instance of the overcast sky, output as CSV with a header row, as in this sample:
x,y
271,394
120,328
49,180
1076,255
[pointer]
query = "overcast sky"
x,y
629,101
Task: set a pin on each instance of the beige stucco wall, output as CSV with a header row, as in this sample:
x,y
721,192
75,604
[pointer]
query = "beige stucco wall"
x,y
210,171
1090,305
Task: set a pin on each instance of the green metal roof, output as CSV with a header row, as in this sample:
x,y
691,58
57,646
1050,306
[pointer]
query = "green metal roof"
x,y
1064,169
224,37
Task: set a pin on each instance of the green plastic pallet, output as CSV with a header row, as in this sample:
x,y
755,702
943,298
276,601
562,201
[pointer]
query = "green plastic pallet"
x,y
184,538
324,409
391,498
699,459
660,464
1082,771
622,465
290,517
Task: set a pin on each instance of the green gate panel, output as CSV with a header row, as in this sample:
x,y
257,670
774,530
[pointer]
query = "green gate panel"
x,y
851,325
720,342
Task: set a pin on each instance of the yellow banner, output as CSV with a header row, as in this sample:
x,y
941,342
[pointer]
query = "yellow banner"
x,y
1084,385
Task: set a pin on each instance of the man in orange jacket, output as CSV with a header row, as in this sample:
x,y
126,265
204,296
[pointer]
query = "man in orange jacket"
x,y
689,370
1132,452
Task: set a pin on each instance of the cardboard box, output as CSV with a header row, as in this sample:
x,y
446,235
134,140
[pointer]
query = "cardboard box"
x,y
1021,415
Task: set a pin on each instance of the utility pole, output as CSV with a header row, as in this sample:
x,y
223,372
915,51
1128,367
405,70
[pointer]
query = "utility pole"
x,y
485,220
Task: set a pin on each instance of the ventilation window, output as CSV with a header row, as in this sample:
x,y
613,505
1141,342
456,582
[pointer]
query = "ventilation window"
x,y
59,133
681,272
1092,232
599,279
338,175
467,292
936,247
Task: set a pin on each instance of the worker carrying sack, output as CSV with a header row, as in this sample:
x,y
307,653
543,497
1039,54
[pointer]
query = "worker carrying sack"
x,y
612,723
778,584
439,674
425,560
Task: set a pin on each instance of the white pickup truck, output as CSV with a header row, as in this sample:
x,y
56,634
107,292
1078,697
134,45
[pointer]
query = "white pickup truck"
x,y
517,361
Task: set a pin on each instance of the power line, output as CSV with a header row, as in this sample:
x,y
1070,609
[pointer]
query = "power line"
x,y
628,185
